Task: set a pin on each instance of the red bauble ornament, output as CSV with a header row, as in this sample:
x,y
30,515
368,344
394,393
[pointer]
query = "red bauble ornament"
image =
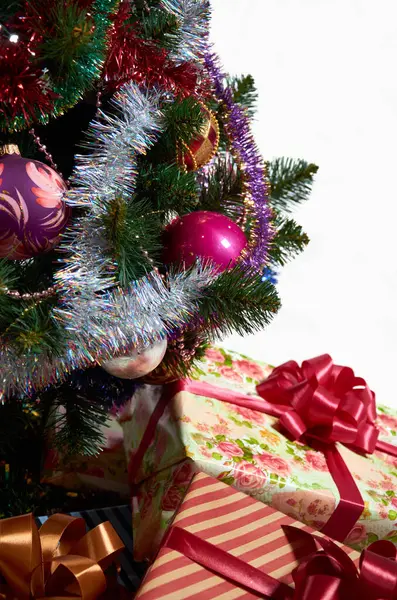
x,y
32,211
201,149
203,235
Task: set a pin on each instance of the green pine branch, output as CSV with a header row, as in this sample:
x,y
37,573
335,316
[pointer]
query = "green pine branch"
x,y
183,121
27,325
37,273
167,188
224,190
9,306
132,230
290,240
142,7
161,27
244,92
290,182
10,309
78,424
8,275
238,301
71,37
9,10
34,330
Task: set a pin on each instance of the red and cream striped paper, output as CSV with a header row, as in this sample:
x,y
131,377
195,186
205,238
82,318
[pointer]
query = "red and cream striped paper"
x,y
235,523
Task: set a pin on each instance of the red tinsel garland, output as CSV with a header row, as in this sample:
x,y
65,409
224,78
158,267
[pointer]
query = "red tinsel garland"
x,y
132,58
38,15
22,83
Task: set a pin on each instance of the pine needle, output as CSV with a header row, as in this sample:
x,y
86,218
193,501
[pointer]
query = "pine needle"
x,y
290,182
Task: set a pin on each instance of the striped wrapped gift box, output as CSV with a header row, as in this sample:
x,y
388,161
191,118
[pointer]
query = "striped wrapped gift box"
x,y
235,523
131,573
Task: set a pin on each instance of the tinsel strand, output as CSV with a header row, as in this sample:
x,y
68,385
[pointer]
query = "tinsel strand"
x,y
193,18
112,324
99,319
244,146
114,141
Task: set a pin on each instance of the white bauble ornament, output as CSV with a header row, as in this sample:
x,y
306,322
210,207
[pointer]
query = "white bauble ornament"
x,y
136,364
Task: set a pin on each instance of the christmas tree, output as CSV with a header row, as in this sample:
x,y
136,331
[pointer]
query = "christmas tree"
x,y
138,221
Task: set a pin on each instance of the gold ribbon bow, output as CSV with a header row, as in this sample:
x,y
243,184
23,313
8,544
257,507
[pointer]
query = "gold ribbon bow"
x,y
59,561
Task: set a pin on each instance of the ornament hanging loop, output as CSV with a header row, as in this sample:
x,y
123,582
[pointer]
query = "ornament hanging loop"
x,y
9,149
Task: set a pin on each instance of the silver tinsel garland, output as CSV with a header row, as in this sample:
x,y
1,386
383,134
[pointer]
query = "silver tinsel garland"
x,y
101,320
107,326
108,172
193,18
114,141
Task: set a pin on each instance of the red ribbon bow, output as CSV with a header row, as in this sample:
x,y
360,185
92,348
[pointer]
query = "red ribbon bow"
x,y
323,401
319,400
325,571
330,574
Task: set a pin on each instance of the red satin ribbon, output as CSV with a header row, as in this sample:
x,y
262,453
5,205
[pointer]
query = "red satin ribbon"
x,y
169,391
226,565
323,400
320,401
327,402
329,574
351,503
325,571
386,448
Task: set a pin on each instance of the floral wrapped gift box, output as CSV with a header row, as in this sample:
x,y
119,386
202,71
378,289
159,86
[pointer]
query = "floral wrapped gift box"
x,y
154,507
244,448
225,369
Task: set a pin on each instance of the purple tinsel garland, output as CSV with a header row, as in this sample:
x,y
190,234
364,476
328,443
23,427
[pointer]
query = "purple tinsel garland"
x,y
243,144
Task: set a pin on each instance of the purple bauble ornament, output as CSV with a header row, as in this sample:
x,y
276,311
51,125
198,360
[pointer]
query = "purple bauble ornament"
x,y
204,235
32,210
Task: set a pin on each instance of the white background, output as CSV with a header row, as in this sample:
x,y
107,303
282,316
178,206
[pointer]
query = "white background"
x,y
326,72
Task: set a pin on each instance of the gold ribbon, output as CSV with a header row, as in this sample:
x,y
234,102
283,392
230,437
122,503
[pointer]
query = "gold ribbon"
x,y
59,561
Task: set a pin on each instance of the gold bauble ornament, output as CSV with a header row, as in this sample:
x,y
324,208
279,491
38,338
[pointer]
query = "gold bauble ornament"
x,y
203,148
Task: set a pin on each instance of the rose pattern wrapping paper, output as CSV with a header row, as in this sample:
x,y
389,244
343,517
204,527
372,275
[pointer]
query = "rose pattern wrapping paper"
x,y
154,507
243,448
107,471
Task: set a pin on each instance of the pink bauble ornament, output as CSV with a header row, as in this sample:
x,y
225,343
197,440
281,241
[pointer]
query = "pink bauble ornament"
x,y
136,364
32,211
204,235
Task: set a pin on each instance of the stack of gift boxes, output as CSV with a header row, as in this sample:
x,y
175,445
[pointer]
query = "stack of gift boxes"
x,y
249,450
237,485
